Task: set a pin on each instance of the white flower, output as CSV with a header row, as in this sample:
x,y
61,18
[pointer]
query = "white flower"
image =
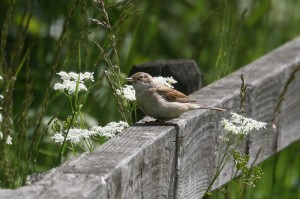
x,y
70,80
58,137
87,76
69,86
76,135
128,92
111,129
1,118
167,81
241,125
9,140
223,139
74,76
63,75
1,135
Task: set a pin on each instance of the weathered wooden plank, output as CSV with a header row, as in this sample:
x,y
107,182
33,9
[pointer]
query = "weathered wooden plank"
x,y
125,167
200,149
197,141
179,160
266,78
289,116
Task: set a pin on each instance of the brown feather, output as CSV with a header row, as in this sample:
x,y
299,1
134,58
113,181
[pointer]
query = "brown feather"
x,y
172,95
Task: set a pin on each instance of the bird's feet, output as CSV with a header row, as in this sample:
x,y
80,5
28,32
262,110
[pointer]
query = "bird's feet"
x,y
152,121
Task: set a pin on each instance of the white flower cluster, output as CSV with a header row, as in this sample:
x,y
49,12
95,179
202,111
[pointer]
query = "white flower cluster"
x,y
167,81
9,138
111,129
128,92
241,125
76,135
224,139
70,81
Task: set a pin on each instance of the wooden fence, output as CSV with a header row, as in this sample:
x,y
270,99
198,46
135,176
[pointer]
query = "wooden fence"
x,y
179,160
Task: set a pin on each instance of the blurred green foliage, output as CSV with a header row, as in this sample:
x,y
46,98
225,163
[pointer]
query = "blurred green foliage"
x,y
189,29
281,178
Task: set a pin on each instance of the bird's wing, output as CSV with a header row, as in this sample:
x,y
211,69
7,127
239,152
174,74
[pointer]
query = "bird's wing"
x,y
172,95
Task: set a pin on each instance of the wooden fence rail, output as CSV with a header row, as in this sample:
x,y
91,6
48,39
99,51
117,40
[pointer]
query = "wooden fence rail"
x,y
178,160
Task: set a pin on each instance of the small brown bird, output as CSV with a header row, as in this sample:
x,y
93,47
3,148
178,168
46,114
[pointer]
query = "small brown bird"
x,y
160,101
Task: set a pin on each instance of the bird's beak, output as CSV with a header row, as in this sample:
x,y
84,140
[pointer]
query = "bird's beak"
x,y
129,79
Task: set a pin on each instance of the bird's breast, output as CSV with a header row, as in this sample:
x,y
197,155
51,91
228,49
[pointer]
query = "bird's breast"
x,y
147,99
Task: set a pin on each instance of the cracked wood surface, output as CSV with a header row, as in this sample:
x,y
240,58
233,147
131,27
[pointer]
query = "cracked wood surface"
x,y
178,160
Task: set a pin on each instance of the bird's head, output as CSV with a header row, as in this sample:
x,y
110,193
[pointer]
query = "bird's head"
x,y
141,80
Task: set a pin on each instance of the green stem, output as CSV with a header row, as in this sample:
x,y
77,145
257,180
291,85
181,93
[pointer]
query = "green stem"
x,y
217,173
71,103
88,144
61,151
222,165
135,112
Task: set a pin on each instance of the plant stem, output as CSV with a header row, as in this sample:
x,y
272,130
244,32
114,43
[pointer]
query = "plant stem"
x,y
222,165
61,151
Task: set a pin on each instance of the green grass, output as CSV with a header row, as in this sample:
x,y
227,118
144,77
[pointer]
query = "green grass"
x,y
282,175
281,178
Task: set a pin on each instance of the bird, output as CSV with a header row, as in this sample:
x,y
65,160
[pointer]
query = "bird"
x,y
159,101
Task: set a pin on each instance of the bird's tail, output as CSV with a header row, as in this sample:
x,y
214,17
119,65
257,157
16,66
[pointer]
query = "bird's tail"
x,y
212,108
198,106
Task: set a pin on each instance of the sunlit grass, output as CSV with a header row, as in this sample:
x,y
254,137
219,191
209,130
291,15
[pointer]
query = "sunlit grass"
x,y
281,178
